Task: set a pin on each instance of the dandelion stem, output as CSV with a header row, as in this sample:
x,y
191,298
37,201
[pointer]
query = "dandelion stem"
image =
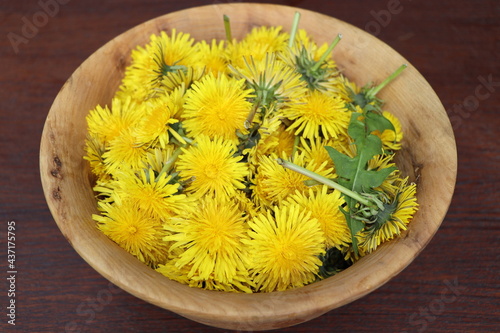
x,y
375,90
227,27
294,167
295,26
327,53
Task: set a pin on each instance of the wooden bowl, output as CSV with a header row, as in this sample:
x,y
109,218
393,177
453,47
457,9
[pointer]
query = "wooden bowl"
x,y
428,157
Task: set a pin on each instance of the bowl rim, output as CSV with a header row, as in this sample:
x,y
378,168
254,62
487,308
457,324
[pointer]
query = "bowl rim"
x,y
62,174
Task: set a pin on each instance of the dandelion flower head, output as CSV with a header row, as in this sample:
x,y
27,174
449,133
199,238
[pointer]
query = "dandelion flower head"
x,y
134,230
152,194
211,236
216,106
284,247
319,114
403,207
324,206
211,168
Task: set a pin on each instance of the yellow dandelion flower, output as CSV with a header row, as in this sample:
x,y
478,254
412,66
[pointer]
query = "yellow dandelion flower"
x,y
268,128
212,168
211,235
274,183
324,207
154,195
274,85
213,57
174,50
284,248
94,150
135,231
106,124
181,80
155,126
260,196
165,54
124,152
216,106
257,44
403,207
319,114
273,38
304,56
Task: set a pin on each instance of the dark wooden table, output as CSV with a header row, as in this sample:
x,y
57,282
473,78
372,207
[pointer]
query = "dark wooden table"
x,y
453,286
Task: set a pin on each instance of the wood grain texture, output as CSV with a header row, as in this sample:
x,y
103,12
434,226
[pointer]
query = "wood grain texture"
x,y
456,50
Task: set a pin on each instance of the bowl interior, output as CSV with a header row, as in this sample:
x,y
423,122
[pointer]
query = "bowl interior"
x,y
428,156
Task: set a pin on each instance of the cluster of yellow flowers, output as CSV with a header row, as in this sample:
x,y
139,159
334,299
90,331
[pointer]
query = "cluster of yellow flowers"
x,y
185,161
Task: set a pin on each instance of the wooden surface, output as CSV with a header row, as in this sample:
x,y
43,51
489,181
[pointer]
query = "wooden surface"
x,y
451,287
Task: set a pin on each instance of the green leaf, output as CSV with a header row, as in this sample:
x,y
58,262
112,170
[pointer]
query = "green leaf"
x,y
377,122
352,171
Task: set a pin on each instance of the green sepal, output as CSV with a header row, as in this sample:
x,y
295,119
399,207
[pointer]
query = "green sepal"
x,y
359,99
383,215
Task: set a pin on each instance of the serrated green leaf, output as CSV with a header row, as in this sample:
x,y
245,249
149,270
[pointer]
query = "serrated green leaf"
x,y
342,163
373,178
352,171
